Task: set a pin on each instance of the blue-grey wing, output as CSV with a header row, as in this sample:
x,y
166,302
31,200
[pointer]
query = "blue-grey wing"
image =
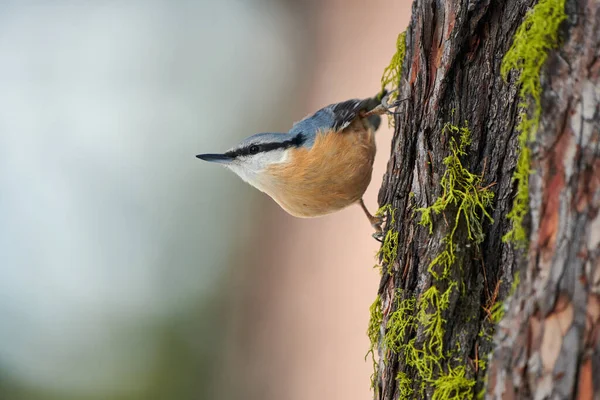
x,y
333,118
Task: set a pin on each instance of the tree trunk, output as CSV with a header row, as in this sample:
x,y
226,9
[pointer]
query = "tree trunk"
x,y
446,271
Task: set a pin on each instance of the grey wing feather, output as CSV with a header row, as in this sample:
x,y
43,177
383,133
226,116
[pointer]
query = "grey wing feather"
x,y
345,112
334,117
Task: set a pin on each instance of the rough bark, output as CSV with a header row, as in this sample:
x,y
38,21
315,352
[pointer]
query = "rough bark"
x,y
548,344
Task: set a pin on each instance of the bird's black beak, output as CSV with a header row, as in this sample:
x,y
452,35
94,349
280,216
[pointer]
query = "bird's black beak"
x,y
216,158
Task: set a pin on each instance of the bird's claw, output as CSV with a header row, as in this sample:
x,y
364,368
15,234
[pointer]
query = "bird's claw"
x,y
378,236
385,105
377,223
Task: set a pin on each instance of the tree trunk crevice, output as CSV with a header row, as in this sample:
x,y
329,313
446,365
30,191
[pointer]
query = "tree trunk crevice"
x,y
451,75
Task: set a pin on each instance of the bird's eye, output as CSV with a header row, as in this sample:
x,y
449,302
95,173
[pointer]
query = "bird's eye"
x,y
253,149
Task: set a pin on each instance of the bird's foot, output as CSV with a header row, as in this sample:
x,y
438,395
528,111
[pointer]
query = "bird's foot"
x,y
377,222
378,236
387,106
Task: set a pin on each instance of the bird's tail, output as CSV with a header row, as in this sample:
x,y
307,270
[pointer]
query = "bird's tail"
x,y
374,120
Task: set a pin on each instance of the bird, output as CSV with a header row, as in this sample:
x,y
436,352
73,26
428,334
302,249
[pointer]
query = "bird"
x,y
321,165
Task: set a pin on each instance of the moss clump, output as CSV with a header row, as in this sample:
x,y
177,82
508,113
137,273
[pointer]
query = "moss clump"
x,y
498,310
404,386
463,190
537,35
427,358
481,393
393,72
399,323
374,334
389,248
515,284
454,385
431,305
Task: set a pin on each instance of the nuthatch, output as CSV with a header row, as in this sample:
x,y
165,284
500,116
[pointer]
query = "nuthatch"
x,y
323,164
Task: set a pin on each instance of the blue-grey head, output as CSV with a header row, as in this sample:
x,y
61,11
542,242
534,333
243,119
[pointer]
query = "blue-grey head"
x,y
251,157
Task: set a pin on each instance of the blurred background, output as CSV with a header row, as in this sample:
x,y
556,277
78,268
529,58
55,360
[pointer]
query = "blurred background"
x,y
132,270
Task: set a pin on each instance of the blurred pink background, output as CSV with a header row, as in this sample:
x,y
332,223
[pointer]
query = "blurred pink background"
x,y
303,314
132,270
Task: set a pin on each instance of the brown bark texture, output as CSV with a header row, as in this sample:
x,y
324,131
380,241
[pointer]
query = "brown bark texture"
x,y
548,343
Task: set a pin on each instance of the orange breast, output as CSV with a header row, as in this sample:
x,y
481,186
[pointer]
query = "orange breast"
x,y
331,175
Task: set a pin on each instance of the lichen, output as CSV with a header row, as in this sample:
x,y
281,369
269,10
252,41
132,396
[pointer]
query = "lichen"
x,y
393,72
374,334
389,248
429,315
426,358
454,385
498,309
463,190
481,393
515,284
400,321
482,363
404,386
537,35
497,312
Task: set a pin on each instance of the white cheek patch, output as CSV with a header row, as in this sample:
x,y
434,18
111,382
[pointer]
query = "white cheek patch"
x,y
244,173
251,169
285,156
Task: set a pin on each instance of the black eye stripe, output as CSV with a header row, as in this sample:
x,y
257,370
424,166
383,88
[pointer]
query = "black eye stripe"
x,y
297,141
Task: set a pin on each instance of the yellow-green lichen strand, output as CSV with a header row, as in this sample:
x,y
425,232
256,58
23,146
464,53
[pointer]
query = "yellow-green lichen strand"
x,y
429,315
374,334
454,385
389,248
399,323
393,72
427,357
404,386
461,189
390,80
537,35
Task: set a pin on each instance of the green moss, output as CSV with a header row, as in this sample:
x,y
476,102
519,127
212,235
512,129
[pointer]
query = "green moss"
x,y
393,72
374,334
454,385
404,386
429,315
463,190
482,363
485,333
515,284
422,362
497,312
390,79
427,357
463,193
537,35
389,248
399,323
481,393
